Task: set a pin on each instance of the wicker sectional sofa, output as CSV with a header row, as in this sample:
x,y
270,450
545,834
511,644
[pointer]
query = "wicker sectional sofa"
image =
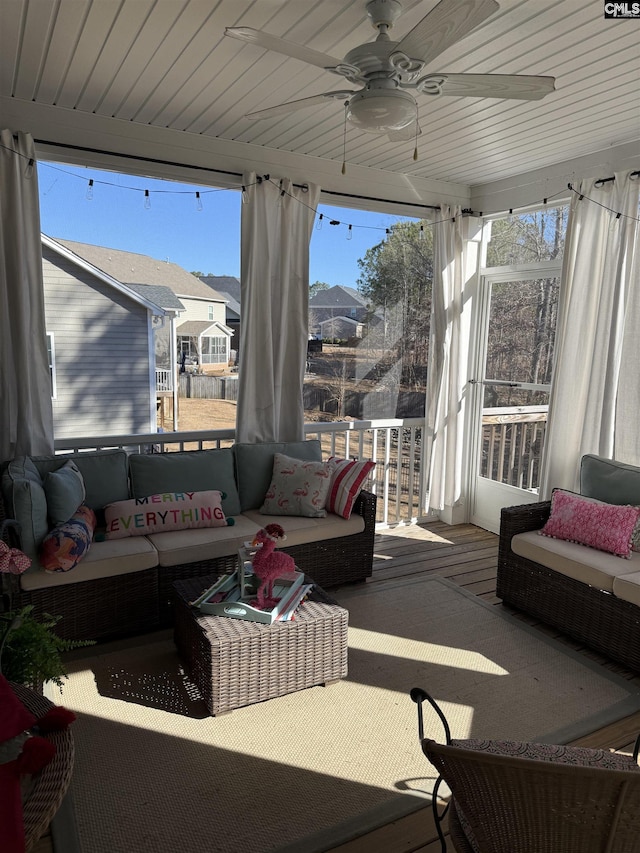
x,y
124,586
590,595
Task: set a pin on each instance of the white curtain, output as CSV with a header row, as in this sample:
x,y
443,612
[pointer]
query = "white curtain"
x,y
26,420
277,221
595,401
448,361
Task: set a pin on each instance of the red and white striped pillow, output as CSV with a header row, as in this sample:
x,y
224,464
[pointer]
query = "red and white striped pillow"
x,y
347,482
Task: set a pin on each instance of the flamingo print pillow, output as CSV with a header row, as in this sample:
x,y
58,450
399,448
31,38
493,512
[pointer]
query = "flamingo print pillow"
x,y
298,487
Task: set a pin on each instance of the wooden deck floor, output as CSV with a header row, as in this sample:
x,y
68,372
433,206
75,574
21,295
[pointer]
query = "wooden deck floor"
x,y
467,556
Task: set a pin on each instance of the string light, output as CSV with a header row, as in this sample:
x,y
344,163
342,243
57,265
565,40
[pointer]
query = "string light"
x,y
421,231
31,165
350,233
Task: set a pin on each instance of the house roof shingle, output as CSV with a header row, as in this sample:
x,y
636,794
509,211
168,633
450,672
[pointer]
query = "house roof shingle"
x,y
132,268
337,296
162,296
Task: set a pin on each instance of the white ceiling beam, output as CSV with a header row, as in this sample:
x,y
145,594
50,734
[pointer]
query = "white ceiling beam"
x,y
167,153
531,188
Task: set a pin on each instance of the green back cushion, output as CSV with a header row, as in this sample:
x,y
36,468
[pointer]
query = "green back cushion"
x,y
609,481
254,466
186,471
26,502
65,492
104,473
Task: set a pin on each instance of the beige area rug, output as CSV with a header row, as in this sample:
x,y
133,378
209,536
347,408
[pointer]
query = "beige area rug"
x,y
155,774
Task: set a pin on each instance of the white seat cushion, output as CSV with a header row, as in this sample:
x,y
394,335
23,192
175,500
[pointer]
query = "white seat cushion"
x,y
104,559
627,587
205,543
300,530
596,568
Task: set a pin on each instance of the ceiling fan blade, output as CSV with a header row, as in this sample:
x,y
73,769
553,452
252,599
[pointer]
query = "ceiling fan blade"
x,y
517,86
288,48
406,134
443,26
290,106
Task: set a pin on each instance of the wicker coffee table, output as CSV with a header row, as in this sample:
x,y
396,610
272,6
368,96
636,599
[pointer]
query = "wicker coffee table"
x,y
235,663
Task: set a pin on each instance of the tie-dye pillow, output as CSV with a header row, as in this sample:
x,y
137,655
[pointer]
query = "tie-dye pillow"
x,y
65,545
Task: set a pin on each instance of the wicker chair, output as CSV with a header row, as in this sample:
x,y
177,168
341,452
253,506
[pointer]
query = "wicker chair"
x,y
511,797
48,787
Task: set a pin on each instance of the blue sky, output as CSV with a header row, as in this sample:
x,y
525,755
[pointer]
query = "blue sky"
x,y
173,228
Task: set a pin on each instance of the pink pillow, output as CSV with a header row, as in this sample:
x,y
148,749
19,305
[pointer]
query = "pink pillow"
x,y
607,527
160,513
347,481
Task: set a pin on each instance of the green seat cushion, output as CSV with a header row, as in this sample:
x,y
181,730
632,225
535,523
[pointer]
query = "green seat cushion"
x,y
609,481
254,466
186,471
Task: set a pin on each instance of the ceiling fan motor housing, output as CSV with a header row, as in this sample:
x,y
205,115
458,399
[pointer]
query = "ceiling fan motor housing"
x,y
380,108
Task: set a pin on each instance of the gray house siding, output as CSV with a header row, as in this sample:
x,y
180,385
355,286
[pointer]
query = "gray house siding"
x,y
101,353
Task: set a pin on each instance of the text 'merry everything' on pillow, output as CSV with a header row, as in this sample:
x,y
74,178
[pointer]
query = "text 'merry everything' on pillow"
x,y
68,543
606,527
347,482
164,512
298,487
65,492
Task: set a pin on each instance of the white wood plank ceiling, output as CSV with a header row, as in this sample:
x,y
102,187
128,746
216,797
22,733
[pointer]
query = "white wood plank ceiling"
x,y
167,64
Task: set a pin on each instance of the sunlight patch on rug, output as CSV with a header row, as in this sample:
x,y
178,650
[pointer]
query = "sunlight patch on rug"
x,y
154,772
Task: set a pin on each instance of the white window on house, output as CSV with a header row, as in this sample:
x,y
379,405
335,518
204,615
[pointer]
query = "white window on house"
x,y
51,356
211,315
214,350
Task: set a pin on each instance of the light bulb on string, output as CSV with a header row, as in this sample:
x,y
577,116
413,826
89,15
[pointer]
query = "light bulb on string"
x,y
421,231
245,195
198,201
147,200
319,222
29,168
350,233
90,190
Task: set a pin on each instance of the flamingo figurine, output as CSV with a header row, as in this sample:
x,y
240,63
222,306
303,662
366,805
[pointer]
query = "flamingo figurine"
x,y
269,564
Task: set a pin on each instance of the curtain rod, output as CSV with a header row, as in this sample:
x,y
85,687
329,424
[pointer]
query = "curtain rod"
x,y
602,181
218,171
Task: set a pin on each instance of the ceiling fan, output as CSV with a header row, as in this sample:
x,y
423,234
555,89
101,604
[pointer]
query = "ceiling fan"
x,y
387,69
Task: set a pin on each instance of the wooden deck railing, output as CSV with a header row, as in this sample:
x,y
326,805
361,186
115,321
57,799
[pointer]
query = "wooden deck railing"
x,y
395,445
512,444
164,379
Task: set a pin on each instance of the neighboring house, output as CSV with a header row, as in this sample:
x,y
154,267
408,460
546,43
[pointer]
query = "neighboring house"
x,y
342,328
337,302
209,344
100,336
228,287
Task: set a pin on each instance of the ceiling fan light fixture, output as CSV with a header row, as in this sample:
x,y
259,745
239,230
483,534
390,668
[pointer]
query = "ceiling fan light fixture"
x,y
380,110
